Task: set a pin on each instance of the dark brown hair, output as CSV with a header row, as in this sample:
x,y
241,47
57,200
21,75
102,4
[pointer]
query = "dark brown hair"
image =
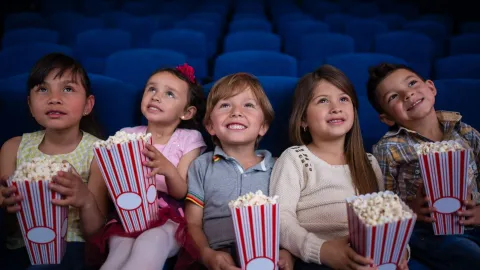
x,y
363,176
376,75
232,85
60,63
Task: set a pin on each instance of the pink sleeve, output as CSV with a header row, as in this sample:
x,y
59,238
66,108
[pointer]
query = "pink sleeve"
x,y
192,139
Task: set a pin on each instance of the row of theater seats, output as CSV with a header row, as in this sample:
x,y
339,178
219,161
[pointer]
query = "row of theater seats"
x,y
197,36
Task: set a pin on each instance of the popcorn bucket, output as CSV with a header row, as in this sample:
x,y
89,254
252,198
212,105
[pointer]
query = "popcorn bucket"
x,y
257,234
43,224
133,193
385,243
445,177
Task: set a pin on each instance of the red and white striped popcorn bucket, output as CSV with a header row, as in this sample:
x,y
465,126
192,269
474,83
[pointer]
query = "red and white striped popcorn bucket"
x,y
386,244
43,224
258,237
134,194
445,177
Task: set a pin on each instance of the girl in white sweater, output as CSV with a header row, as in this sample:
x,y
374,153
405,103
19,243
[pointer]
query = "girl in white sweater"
x,y
328,165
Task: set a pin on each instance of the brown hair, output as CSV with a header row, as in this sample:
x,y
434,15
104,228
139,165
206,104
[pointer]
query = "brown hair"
x,y
232,85
376,75
363,176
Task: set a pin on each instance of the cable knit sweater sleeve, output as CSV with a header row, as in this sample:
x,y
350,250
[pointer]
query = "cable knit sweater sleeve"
x,y
287,181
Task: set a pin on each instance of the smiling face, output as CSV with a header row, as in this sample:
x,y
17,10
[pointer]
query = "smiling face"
x,y
237,120
330,113
405,98
165,99
59,102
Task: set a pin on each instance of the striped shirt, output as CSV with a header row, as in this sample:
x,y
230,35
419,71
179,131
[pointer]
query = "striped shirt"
x,y
80,159
398,159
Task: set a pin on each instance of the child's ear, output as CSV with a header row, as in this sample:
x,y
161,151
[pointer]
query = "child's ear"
x,y
189,113
263,129
431,86
89,105
209,128
386,120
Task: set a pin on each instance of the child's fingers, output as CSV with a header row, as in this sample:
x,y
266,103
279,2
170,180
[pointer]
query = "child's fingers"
x,y
149,154
65,191
469,204
12,200
14,208
357,258
61,202
426,210
424,218
65,180
8,191
466,213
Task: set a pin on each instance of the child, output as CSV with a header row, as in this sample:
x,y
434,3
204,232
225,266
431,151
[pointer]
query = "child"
x,y
328,165
172,103
405,102
60,100
238,115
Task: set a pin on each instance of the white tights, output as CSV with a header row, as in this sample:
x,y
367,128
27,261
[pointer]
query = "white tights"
x,y
149,251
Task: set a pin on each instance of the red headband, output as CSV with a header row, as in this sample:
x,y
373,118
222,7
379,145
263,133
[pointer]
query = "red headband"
x,y
187,71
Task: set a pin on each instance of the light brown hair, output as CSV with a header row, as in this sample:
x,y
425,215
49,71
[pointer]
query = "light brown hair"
x,y
232,85
363,176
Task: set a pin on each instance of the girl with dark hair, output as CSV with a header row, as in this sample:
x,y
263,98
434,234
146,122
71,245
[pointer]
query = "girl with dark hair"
x,y
173,104
60,100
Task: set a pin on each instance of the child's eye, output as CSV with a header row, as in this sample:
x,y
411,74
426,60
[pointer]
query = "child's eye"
x,y
323,100
250,105
412,83
392,97
41,89
151,89
344,99
170,94
68,89
224,105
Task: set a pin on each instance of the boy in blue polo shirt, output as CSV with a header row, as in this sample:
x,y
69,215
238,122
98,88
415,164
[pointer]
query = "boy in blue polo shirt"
x,y
238,114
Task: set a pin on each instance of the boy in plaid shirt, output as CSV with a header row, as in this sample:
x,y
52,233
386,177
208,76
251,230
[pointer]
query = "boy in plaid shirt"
x,y
405,102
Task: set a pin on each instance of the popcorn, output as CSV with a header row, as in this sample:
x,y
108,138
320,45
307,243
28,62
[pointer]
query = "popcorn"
x,y
251,199
256,222
439,147
380,209
40,168
122,137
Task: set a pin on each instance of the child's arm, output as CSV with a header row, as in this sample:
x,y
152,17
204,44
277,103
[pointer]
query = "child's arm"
x,y
8,160
175,178
212,259
473,137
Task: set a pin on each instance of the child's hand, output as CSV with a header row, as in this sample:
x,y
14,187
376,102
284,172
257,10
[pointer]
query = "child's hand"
x,y
404,262
70,185
7,198
338,254
158,162
286,261
420,206
471,214
219,260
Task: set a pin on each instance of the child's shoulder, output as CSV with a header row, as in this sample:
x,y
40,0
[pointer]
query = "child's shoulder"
x,y
11,145
204,158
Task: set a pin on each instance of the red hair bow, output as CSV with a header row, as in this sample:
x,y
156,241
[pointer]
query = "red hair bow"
x,y
188,72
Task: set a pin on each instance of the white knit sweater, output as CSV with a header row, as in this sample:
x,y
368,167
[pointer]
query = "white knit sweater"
x,y
312,200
